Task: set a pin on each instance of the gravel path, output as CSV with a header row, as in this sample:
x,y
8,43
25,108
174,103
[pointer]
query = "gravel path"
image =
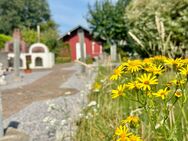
x,y
25,79
43,119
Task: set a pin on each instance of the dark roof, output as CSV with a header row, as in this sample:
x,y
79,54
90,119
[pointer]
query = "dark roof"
x,y
74,29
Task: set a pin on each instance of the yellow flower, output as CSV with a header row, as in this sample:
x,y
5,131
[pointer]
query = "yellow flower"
x,y
122,133
159,58
185,61
178,93
131,119
184,71
97,86
178,82
148,61
135,138
169,84
119,91
117,73
133,85
156,70
162,93
178,62
146,80
133,65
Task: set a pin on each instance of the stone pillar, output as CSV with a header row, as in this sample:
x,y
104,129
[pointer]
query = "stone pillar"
x,y
81,40
1,118
113,52
16,44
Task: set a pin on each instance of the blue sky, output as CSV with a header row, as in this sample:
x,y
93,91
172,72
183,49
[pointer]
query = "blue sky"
x,y
69,13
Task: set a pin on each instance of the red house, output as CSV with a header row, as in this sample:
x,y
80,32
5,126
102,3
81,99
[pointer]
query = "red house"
x,y
92,48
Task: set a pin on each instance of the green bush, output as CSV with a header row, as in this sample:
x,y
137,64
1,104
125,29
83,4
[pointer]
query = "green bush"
x,y
60,60
89,60
3,40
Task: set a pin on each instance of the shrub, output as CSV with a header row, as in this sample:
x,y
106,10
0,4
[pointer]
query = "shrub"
x,y
3,40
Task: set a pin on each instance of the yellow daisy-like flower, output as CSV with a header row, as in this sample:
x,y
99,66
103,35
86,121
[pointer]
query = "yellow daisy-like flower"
x,y
185,61
117,73
133,65
131,119
148,61
122,133
178,93
135,138
162,93
159,58
119,91
156,70
184,71
97,86
178,82
133,85
178,62
145,81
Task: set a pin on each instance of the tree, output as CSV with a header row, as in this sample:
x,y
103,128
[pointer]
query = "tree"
x,y
107,22
22,13
48,37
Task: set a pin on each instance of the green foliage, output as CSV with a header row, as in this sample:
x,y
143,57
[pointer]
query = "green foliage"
x,y
22,13
29,36
48,37
107,22
89,59
60,59
168,31
3,40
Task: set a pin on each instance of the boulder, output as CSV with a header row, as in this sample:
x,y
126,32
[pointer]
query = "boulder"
x,y
13,134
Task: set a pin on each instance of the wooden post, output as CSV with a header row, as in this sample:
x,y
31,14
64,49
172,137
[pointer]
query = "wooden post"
x,y
1,117
16,44
81,40
38,33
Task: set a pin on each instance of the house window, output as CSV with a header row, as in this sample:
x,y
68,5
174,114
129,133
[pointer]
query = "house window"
x,y
38,62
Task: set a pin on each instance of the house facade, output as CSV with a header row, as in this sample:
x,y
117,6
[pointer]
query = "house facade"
x,y
92,48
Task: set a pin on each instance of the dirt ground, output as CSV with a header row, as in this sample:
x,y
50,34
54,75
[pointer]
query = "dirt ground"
x,y
44,88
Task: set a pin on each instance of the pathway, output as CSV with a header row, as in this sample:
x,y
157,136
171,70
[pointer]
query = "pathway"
x,y
28,106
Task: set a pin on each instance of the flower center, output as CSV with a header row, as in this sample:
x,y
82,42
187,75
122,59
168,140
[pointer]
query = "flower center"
x,y
117,72
146,82
163,93
123,136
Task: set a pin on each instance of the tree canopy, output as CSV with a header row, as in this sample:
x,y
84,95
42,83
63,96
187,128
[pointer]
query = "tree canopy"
x,y
107,22
22,13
